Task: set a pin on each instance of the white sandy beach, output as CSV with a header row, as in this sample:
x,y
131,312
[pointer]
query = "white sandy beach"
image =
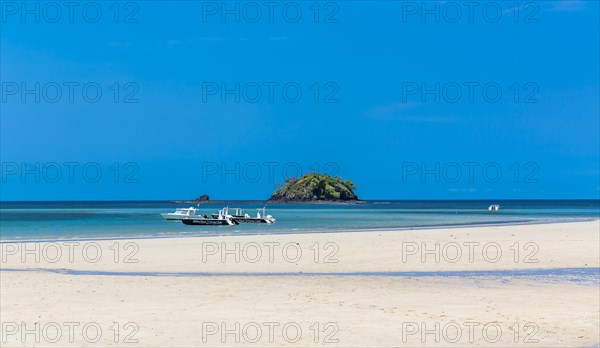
x,y
324,310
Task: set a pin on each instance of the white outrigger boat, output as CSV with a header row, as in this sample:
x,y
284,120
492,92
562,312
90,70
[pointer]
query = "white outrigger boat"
x,y
239,216
180,213
190,216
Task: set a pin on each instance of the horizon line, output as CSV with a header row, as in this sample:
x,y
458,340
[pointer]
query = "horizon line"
x,y
321,202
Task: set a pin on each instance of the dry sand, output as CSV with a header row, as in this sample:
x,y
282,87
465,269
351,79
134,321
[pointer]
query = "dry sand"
x,y
324,310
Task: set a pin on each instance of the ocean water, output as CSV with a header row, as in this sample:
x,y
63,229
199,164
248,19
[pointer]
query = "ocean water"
x,y
91,220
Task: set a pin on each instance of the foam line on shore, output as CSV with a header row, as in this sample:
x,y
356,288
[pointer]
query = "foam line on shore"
x,y
579,272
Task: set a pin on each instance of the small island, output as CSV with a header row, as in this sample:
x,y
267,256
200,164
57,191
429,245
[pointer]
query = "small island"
x,y
315,188
202,199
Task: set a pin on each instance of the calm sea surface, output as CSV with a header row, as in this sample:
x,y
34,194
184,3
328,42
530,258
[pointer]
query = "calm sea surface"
x,y
81,220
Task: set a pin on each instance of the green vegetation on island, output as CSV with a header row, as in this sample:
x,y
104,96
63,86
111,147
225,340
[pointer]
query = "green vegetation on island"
x,y
314,187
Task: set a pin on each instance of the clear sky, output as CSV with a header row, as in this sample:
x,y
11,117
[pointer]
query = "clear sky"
x,y
170,100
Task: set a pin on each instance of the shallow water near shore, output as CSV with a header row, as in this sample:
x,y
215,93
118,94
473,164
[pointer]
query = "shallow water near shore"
x,y
80,220
586,276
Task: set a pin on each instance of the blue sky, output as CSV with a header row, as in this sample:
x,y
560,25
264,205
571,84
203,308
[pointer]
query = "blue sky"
x,y
361,68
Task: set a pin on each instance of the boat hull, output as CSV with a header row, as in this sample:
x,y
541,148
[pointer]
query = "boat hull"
x,y
253,220
208,222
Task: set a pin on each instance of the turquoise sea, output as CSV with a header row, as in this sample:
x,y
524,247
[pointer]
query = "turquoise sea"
x,y
83,220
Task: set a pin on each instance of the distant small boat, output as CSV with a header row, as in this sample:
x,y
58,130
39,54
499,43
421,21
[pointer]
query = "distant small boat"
x,y
180,213
494,207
